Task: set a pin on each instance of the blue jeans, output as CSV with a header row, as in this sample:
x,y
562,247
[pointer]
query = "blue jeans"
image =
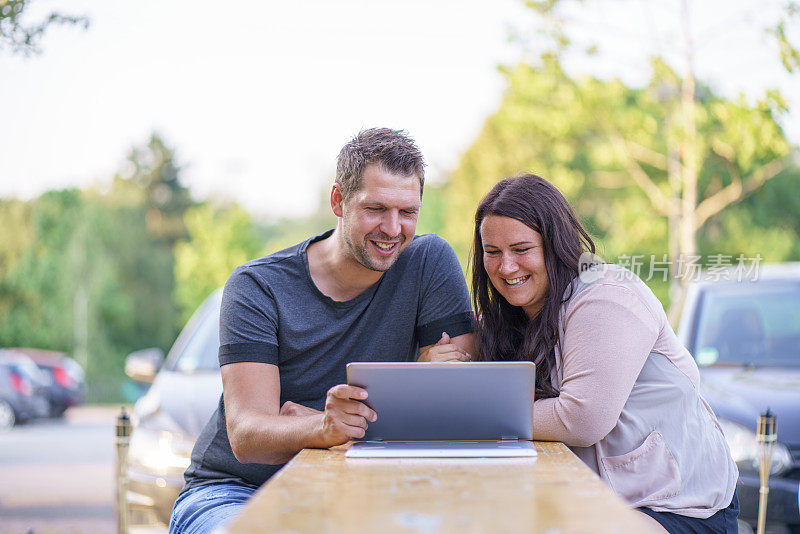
x,y
202,509
723,522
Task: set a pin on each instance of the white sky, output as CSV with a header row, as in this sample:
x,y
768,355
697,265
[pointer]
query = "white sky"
x,y
258,97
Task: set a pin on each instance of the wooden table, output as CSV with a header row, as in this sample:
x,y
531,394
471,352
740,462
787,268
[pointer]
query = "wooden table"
x,y
320,491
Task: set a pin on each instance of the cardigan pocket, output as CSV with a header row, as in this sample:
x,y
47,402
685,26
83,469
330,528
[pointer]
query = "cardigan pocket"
x,y
645,475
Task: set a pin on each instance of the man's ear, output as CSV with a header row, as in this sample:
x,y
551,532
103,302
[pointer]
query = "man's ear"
x,y
337,200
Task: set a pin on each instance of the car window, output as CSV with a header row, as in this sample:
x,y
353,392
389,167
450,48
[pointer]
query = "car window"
x,y
73,368
200,353
756,324
27,368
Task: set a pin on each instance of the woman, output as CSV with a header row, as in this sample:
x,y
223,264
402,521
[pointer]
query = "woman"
x,y
613,382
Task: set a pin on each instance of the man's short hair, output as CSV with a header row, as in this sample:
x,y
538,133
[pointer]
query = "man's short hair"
x,y
394,150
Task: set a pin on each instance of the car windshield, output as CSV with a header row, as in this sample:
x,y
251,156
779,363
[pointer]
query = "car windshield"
x,y
202,348
750,324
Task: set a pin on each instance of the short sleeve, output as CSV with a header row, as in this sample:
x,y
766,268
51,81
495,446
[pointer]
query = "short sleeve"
x,y
444,304
248,321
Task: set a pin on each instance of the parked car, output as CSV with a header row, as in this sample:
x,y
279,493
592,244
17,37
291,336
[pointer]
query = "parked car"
x,y
22,385
745,337
66,381
169,417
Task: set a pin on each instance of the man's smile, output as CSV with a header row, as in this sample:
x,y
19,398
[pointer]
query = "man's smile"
x,y
385,248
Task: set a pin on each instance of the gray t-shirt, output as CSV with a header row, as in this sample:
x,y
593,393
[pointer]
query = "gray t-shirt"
x,y
273,313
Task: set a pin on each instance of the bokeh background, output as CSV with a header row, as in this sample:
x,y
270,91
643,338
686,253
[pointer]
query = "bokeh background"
x,y
147,148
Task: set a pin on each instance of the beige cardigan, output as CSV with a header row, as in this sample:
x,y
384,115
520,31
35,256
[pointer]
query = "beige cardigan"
x,y
629,404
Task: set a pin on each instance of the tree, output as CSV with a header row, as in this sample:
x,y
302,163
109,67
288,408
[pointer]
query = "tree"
x,y
608,148
283,233
20,37
219,239
154,169
16,233
86,272
37,289
432,216
691,152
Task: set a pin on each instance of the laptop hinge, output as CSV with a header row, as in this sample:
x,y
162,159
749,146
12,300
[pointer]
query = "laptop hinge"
x,y
376,440
509,438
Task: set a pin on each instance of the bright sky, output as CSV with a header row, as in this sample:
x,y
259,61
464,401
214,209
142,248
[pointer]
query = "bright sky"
x,y
258,97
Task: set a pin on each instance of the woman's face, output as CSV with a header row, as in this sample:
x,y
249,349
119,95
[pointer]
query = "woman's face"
x,y
513,257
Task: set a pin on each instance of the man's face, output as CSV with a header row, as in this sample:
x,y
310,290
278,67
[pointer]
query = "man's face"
x,y
379,220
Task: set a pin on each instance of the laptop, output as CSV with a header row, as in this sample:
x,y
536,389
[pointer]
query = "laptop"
x,y
446,410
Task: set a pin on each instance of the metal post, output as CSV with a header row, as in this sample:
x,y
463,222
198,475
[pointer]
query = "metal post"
x,y
767,435
123,441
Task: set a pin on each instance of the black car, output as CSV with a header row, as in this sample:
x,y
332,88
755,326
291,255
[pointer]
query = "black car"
x,y
66,382
745,337
22,394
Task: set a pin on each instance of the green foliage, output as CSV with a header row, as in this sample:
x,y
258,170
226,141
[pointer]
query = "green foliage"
x,y
766,224
102,272
283,233
153,169
42,271
20,37
16,234
431,218
598,141
219,239
87,273
790,56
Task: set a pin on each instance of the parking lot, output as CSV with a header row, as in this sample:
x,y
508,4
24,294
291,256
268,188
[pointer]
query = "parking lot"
x,y
57,476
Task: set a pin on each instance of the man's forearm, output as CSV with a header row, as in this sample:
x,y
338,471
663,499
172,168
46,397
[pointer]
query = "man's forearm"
x,y
273,439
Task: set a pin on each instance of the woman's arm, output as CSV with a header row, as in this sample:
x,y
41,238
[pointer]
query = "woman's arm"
x,y
608,334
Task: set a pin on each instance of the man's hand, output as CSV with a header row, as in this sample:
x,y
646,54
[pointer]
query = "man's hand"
x,y
297,410
443,351
345,416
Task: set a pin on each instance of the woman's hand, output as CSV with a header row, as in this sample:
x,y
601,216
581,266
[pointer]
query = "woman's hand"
x,y
444,351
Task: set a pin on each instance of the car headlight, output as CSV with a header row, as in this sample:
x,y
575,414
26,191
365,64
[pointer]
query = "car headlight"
x,y
159,451
744,447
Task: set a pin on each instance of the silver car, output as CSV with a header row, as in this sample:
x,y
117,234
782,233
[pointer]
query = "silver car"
x,y
169,417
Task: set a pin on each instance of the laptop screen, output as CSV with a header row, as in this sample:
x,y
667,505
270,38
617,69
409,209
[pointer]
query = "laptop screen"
x,y
447,401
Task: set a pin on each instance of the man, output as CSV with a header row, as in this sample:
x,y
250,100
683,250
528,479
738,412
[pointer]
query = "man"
x,y
291,321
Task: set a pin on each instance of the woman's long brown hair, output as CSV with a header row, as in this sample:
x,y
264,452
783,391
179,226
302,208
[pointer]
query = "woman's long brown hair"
x,y
504,332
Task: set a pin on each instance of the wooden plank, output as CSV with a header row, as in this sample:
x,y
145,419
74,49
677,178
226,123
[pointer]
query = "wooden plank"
x,y
321,491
